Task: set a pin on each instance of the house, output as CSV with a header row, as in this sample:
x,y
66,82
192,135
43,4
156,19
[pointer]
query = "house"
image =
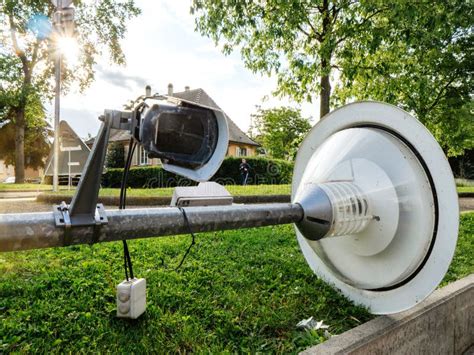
x,y
73,154
240,144
8,171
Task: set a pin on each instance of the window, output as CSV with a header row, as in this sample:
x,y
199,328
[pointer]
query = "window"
x,y
241,152
143,157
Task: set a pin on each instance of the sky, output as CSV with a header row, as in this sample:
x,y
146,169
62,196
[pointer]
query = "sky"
x,y
161,47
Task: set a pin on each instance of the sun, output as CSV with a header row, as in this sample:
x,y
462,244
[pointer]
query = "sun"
x,y
69,48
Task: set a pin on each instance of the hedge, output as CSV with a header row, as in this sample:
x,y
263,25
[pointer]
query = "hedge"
x,y
263,171
463,166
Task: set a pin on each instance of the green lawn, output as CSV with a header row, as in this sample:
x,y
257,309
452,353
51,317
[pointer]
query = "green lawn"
x,y
463,262
465,189
239,291
233,189
465,185
26,187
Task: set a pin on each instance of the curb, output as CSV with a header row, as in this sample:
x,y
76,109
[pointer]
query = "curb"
x,y
18,194
441,324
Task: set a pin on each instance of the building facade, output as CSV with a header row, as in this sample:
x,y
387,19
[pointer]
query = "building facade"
x,y
8,171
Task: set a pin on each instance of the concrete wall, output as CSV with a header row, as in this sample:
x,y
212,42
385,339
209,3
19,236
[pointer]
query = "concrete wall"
x,y
441,324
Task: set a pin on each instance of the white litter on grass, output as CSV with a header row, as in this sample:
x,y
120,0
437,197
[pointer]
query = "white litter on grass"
x,y
311,323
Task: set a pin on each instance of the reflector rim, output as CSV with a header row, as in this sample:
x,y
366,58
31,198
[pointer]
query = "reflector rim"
x,y
402,124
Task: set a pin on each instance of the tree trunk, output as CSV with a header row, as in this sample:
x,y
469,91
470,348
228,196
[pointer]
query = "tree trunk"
x,y
325,96
20,146
27,67
325,90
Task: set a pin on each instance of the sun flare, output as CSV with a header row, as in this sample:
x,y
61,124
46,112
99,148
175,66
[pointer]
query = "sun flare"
x,y
69,48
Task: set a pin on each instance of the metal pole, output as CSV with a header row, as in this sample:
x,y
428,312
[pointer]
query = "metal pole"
x,y
38,230
57,74
69,171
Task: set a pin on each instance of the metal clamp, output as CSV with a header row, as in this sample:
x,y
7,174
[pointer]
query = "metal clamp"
x,y
61,215
63,218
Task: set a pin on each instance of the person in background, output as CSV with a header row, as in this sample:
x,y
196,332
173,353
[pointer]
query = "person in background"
x,y
244,171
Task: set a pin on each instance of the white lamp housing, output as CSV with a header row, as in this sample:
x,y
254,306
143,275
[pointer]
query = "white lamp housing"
x,y
190,139
380,202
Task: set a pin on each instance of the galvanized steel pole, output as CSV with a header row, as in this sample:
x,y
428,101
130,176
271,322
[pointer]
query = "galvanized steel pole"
x,y
38,230
57,95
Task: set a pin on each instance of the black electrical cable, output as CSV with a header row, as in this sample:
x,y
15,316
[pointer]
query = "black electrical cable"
x,y
193,241
122,204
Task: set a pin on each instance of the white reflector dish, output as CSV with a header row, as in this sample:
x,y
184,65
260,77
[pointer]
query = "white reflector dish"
x,y
401,251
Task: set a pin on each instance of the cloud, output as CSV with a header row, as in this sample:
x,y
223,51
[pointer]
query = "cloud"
x,y
162,47
83,122
118,78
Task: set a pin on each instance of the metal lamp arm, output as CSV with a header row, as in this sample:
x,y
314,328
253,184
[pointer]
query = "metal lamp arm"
x,y
84,210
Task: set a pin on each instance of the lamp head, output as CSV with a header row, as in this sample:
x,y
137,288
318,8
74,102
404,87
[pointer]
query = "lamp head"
x,y
189,139
380,204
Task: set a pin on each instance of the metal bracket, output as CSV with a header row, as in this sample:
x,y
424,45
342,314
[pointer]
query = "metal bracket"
x,y
118,119
62,217
84,209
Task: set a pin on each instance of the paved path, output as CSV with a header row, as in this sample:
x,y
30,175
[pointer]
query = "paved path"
x,y
466,203
18,194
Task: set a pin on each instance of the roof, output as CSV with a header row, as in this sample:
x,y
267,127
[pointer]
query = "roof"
x,y
69,139
201,97
115,136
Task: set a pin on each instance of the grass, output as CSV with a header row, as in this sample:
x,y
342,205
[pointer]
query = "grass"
x,y
465,189
239,291
464,182
235,190
465,185
463,261
25,187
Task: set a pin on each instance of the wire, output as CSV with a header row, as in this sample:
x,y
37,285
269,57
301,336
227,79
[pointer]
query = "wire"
x,y
122,204
127,260
193,241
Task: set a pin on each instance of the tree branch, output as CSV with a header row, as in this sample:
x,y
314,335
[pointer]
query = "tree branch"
x,y
441,93
304,31
363,22
34,57
18,51
16,47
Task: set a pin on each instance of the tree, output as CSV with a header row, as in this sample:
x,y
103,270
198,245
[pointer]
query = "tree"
x,y
37,131
280,130
302,41
37,145
415,54
115,155
27,43
424,65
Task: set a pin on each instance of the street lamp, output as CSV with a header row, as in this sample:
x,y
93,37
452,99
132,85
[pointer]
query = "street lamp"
x,y
63,20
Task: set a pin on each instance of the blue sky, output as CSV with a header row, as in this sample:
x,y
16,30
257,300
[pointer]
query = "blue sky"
x,y
161,47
